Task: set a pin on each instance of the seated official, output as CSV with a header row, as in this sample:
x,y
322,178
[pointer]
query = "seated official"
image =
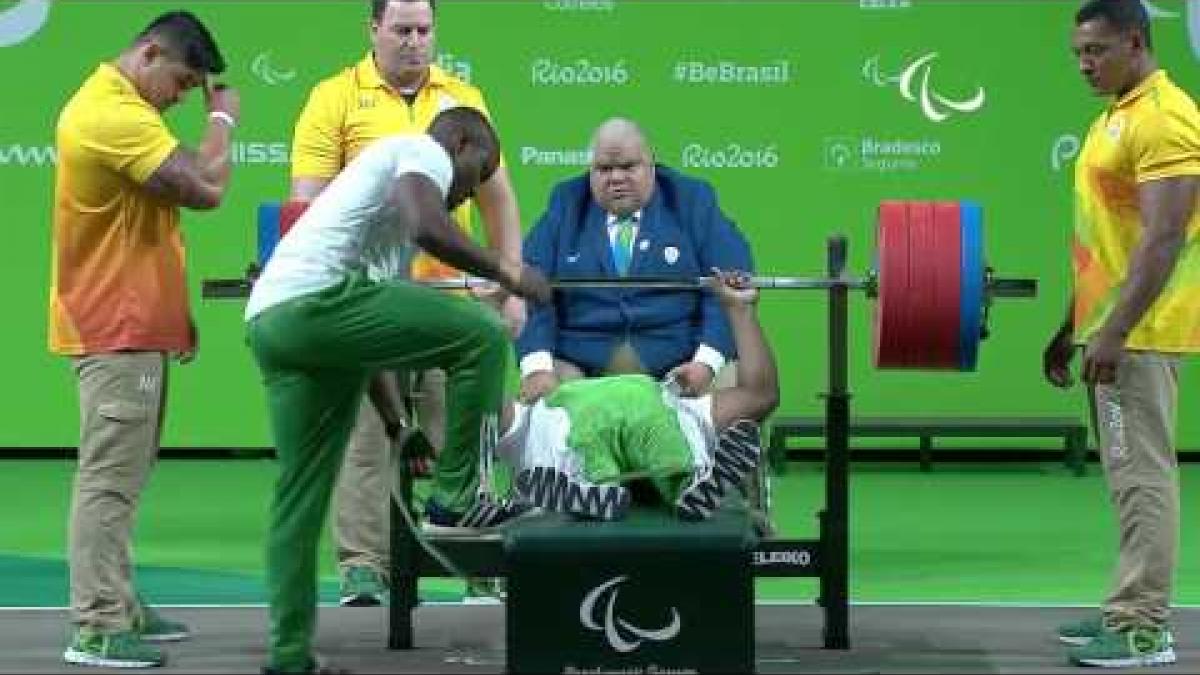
x,y
629,218
581,449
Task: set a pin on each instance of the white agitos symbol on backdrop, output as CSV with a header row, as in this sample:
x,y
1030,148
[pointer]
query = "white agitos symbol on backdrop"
x,y
19,22
1156,12
914,85
261,66
1193,20
934,104
616,629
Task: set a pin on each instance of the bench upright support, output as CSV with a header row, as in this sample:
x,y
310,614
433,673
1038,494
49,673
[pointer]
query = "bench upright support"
x,y
834,521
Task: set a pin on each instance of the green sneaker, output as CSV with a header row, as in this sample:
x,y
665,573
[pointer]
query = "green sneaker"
x,y
123,649
316,665
362,587
154,627
484,591
1078,633
1142,646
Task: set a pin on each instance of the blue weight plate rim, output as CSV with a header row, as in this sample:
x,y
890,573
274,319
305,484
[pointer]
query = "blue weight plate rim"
x,y
971,300
268,230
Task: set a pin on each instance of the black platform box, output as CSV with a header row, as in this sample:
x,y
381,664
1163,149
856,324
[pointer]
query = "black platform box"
x,y
648,594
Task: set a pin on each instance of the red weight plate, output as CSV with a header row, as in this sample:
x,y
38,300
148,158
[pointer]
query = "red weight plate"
x,y
891,237
289,213
922,255
931,330
918,313
945,310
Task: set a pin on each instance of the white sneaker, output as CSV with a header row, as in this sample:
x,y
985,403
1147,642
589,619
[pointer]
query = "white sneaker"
x,y
737,456
553,489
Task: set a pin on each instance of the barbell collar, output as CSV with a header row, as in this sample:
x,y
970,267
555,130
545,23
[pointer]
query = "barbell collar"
x,y
1012,288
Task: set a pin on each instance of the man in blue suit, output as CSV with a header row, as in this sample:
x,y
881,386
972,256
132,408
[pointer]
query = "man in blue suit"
x,y
629,217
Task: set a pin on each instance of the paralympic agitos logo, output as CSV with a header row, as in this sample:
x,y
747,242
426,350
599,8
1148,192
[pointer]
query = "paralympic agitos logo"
x,y
21,21
1193,20
598,612
915,82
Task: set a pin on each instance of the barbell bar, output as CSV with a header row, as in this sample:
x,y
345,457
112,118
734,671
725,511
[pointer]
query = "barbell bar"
x,y
998,288
932,287
659,283
995,287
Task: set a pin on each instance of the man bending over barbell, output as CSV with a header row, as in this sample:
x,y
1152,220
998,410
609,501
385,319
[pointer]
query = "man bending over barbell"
x,y
579,449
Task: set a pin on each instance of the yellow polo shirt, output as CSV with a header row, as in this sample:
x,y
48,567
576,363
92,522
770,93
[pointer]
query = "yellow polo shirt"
x,y
348,111
117,261
1153,132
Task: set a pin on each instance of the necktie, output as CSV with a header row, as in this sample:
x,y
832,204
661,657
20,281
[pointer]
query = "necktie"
x,y
622,246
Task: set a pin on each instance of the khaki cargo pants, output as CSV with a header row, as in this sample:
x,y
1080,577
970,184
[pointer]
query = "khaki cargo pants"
x,y
121,399
1134,419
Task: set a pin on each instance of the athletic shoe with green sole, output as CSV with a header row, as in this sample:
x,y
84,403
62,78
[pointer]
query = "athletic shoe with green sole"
x,y
124,649
1130,648
154,627
484,591
362,587
1081,632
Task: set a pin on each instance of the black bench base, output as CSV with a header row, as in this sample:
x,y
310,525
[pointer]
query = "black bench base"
x,y
646,594
1071,430
703,571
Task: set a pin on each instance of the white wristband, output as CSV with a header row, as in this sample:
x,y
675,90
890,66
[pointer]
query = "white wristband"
x,y
222,116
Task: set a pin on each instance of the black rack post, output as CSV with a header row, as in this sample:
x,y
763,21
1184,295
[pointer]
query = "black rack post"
x,y
406,552
834,521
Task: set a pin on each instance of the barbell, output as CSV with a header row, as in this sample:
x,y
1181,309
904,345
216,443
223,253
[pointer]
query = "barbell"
x,y
931,285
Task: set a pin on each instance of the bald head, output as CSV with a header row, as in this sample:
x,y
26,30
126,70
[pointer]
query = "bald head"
x,y
622,176
619,130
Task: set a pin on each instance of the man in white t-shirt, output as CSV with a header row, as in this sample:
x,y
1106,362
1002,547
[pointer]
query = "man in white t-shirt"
x,y
332,308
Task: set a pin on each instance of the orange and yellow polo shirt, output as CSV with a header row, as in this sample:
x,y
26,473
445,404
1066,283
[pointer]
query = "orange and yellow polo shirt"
x,y
117,267
348,111
1153,132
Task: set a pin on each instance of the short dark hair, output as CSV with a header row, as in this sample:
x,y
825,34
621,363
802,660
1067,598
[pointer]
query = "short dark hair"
x,y
377,6
188,41
1123,15
461,123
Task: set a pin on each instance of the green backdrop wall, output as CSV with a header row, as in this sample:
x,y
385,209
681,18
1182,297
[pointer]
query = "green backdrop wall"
x,y
795,110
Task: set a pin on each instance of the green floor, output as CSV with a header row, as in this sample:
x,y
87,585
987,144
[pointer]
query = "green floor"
x,y
1013,533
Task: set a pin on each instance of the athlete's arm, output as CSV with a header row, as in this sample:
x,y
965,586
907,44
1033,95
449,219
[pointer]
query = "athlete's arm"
x,y
756,393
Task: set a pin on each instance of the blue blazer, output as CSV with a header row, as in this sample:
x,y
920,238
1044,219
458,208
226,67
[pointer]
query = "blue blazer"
x,y
681,233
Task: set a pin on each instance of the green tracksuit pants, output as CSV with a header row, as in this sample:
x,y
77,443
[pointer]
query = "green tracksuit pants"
x,y
316,353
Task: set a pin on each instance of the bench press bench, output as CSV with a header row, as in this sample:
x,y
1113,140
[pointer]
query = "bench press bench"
x,y
643,593
1070,429
577,567
648,593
